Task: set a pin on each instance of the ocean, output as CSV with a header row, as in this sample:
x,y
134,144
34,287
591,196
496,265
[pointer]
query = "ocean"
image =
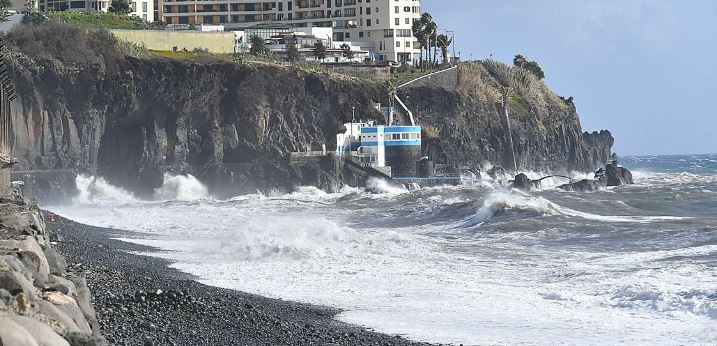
x,y
476,265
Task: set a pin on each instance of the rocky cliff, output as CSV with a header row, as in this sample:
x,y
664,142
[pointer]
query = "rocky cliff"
x,y
471,125
132,119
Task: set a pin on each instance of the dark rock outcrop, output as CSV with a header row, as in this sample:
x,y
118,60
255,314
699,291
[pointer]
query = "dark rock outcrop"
x,y
611,175
614,175
522,182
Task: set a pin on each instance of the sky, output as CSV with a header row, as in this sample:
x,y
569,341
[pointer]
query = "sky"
x,y
644,69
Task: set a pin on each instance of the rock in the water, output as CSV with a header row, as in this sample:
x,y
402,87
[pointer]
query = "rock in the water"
x,y
611,175
585,185
522,182
615,175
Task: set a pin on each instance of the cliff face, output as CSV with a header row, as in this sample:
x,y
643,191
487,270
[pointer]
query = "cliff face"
x,y
168,116
473,129
233,125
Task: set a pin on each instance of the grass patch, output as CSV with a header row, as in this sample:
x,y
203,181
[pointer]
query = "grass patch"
x,y
103,20
407,73
430,132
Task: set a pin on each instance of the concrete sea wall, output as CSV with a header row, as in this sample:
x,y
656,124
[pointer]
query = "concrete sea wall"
x,y
215,42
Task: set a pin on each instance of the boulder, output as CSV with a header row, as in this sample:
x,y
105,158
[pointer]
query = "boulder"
x,y
11,263
42,333
54,313
522,182
56,262
585,185
12,333
83,300
60,284
84,339
615,175
5,296
16,282
73,312
37,259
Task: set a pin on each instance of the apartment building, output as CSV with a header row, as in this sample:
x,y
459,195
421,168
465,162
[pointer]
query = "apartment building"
x,y
140,8
380,26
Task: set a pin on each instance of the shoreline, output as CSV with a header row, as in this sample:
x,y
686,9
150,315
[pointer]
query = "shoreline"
x,y
140,300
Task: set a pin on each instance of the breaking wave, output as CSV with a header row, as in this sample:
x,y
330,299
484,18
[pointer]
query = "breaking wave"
x,y
180,187
384,187
515,204
96,189
93,190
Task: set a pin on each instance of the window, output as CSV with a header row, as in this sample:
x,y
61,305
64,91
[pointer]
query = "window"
x,y
360,33
368,11
368,22
144,8
144,16
348,35
397,9
408,21
134,6
398,44
398,21
404,136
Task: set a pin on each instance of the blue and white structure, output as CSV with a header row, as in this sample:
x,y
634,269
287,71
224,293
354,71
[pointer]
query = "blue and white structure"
x,y
393,149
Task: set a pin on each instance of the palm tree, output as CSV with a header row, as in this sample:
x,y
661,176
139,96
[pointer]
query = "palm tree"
x,y
420,37
430,29
443,42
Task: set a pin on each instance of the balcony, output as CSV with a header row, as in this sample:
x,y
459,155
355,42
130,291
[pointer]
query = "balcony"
x,y
310,4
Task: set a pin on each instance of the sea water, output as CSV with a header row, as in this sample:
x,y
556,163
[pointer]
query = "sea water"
x,y
479,264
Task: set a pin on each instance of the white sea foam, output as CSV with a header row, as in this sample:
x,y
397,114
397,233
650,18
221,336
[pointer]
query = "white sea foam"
x,y
180,187
384,187
97,190
470,287
517,200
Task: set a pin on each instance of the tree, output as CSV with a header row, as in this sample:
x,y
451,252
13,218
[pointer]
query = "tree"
x,y
319,50
292,50
443,42
420,36
346,49
258,46
531,66
33,16
120,6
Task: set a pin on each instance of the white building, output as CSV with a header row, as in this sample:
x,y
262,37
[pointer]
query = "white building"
x,y
141,8
381,26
